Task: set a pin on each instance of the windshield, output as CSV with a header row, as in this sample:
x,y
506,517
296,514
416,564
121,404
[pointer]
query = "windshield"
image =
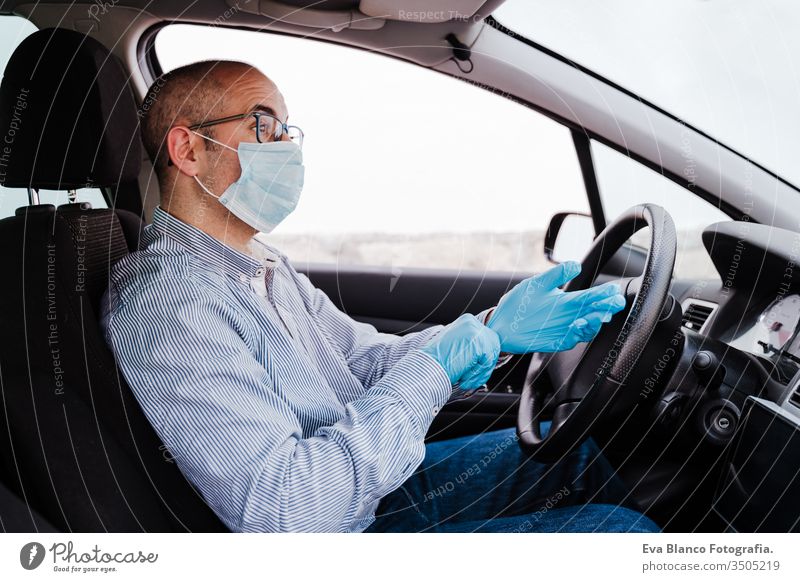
x,y
731,69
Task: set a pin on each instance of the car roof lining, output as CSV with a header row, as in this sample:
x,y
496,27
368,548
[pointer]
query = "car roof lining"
x,y
121,26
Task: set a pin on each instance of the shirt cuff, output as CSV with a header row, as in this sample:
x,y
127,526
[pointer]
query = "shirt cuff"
x,y
421,384
504,356
484,314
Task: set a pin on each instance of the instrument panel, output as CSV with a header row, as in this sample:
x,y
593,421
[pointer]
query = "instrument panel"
x,y
774,336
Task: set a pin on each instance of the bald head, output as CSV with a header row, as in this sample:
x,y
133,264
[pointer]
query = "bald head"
x,y
185,96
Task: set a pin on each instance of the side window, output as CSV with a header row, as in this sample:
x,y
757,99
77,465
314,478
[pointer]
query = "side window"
x,y
404,167
625,182
13,30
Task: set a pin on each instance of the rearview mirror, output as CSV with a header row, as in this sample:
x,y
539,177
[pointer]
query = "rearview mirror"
x,y
568,237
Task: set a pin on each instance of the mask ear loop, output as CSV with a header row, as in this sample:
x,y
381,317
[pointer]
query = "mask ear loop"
x,y
215,141
209,192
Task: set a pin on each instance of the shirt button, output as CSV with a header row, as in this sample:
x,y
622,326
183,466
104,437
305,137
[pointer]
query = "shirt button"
x,y
435,410
260,271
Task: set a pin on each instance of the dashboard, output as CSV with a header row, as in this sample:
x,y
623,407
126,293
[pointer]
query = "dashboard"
x,y
749,399
757,313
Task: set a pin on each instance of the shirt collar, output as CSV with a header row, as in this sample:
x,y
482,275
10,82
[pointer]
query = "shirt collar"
x,y
212,251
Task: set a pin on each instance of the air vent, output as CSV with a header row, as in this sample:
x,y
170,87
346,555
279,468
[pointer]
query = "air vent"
x,y
696,313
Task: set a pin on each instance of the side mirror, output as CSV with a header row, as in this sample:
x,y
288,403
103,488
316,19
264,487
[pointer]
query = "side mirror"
x,y
568,237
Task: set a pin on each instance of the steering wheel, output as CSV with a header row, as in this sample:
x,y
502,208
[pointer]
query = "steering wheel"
x,y
588,379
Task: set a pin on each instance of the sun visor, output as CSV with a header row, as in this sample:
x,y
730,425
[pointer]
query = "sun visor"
x,y
298,14
425,11
365,14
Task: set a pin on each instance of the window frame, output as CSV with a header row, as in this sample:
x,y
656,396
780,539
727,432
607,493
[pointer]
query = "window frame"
x,y
582,137
151,69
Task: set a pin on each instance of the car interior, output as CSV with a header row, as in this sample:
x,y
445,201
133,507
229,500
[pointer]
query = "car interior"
x,y
692,393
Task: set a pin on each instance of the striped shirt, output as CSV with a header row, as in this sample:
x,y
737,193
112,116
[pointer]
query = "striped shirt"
x,y
285,413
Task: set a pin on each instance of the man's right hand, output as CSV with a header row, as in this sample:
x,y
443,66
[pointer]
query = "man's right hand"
x,y
537,316
467,350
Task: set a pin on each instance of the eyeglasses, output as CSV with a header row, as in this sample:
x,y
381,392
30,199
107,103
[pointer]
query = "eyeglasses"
x,y
267,127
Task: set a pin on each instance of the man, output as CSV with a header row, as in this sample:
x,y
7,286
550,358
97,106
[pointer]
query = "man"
x,y
285,413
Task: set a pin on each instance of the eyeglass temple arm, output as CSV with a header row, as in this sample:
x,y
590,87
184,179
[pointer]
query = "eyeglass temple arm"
x,y
209,124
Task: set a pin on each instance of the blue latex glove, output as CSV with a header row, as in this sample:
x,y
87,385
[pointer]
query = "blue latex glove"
x,y
467,350
536,316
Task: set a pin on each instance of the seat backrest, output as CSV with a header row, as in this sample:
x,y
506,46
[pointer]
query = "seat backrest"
x,y
16,516
74,442
81,448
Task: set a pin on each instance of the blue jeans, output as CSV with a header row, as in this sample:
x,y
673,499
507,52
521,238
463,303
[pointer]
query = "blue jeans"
x,y
485,483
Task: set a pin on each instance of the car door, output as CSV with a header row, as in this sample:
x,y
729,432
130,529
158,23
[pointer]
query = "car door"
x,y
425,197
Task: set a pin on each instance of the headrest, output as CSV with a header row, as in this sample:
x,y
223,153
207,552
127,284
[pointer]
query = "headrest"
x,y
67,116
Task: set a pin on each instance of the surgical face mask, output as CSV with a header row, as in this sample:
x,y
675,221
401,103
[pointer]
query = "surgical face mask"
x,y
270,185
